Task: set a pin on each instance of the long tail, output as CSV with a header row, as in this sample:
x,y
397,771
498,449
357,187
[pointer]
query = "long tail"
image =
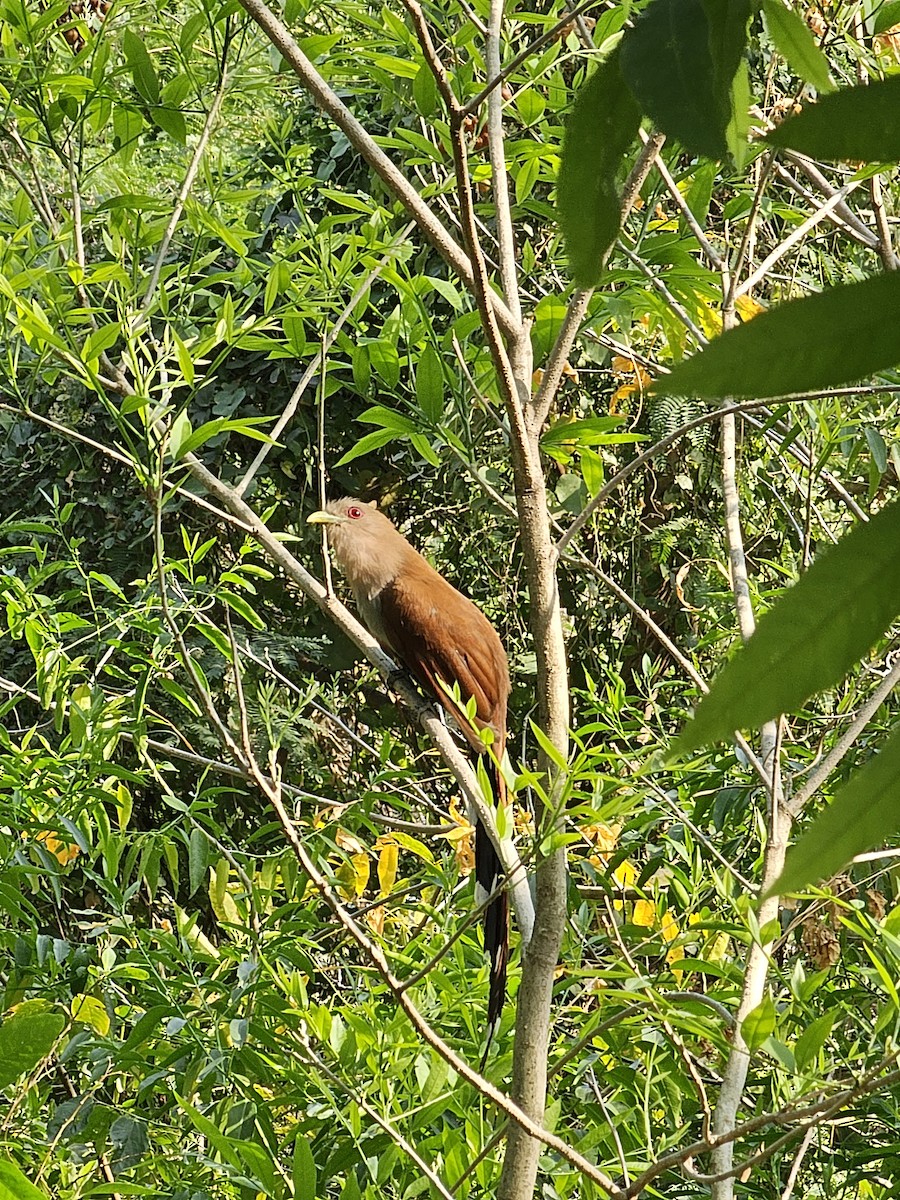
x,y
489,875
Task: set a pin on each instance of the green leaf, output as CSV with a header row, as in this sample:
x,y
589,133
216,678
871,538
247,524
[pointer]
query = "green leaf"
x,y
170,121
447,290
371,441
877,448
813,634
549,317
863,814
26,1038
425,448
179,433
886,17
14,1185
526,178
859,123
425,91
548,748
759,1023
430,384
794,40
240,606
210,429
79,707
315,45
811,1041
602,125
185,362
303,1170
592,470
101,339
592,431
385,360
127,126
727,21
387,418
295,332
667,63
224,1145
834,337
142,70
198,859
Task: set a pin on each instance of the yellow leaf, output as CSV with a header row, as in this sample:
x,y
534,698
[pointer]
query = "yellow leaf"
x,y
360,863
350,843
459,818
375,919
748,308
716,949
90,1011
462,840
625,874
187,927
221,899
63,852
603,837
710,320
644,913
669,927
387,867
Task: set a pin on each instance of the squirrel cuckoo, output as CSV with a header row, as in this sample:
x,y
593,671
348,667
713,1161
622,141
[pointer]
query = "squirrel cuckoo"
x,y
442,639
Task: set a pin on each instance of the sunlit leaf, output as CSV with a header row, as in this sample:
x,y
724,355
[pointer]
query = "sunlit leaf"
x,y
794,39
15,1186
388,859
88,1010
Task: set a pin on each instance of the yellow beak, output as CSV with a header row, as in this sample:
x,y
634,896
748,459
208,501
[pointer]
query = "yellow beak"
x,y
324,518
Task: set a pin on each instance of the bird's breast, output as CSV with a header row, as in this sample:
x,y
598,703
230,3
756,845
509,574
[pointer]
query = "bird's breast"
x,y
368,601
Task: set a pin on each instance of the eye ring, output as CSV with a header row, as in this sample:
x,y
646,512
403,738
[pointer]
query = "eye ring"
x,y
354,513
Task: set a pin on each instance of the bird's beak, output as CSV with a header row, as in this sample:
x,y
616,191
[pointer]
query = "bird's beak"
x,y
324,518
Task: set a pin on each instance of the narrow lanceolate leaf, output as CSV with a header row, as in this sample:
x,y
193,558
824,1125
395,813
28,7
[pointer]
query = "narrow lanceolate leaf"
x,y
794,39
862,814
811,637
602,125
668,62
834,337
859,123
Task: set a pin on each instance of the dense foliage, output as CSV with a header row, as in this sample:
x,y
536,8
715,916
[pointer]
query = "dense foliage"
x,y
187,243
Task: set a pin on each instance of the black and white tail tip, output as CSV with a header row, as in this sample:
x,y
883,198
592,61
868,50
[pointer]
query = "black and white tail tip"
x,y
489,876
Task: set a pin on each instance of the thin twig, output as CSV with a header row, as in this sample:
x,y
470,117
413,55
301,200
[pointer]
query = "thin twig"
x,y
838,752
796,235
181,199
506,242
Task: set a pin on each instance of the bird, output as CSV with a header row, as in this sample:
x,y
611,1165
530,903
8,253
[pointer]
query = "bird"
x,y
443,640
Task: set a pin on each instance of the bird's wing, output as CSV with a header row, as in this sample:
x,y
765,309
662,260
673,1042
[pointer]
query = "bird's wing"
x,y
443,639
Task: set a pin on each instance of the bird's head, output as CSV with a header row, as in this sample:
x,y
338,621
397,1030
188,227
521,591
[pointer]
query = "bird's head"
x,y
363,539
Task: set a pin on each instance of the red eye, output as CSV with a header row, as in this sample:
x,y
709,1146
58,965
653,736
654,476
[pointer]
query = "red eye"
x,y
354,512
